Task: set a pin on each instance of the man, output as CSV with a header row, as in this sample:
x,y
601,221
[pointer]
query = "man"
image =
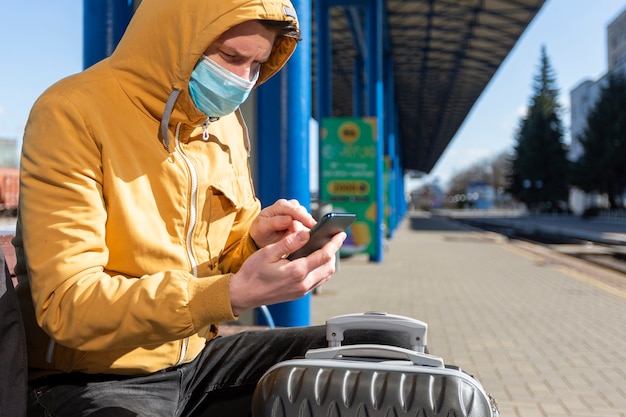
x,y
139,230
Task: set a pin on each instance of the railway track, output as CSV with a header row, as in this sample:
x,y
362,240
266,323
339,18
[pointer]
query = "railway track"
x,y
612,257
609,256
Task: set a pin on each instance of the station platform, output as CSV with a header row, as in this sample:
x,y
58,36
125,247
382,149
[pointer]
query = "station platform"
x,y
545,333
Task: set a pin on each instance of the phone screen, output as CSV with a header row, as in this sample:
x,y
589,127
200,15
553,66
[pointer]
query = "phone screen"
x,y
323,231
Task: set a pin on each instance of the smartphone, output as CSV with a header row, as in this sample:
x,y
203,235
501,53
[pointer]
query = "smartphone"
x,y
323,231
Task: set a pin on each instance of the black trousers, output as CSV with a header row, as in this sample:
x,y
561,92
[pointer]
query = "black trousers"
x,y
12,349
219,382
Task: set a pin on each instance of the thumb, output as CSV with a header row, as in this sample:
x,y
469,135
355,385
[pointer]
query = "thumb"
x,y
289,244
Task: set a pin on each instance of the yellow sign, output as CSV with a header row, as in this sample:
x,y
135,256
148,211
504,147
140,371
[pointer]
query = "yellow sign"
x,y
349,132
349,187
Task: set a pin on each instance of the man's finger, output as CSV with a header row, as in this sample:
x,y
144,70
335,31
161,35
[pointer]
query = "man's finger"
x,y
289,244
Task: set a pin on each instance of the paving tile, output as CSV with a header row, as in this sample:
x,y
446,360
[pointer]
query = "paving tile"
x,y
543,340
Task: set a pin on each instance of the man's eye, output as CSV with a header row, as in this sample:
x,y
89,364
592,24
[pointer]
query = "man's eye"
x,y
228,56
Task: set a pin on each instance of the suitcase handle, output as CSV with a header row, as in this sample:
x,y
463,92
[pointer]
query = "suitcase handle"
x,y
416,329
375,351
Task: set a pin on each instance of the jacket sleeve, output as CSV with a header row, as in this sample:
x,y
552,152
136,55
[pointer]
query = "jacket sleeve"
x,y
77,300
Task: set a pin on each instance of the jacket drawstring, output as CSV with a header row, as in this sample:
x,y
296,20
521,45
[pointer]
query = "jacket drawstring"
x,y
165,120
164,134
246,136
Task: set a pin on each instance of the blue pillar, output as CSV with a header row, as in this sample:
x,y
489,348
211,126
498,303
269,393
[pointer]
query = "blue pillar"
x,y
104,23
391,149
283,114
376,106
324,61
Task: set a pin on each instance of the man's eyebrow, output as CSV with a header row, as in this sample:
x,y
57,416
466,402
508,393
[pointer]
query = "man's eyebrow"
x,y
230,50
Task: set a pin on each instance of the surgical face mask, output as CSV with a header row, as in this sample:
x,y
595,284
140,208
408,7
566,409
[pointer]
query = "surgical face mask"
x,y
215,90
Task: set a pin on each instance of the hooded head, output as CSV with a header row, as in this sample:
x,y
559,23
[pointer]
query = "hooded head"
x,y
165,40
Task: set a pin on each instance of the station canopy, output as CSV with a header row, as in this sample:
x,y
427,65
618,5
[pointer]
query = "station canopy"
x,y
444,53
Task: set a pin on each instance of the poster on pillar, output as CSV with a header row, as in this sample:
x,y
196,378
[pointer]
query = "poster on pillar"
x,y
348,177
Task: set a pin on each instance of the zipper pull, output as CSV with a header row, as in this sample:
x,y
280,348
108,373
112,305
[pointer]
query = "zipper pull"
x,y
205,130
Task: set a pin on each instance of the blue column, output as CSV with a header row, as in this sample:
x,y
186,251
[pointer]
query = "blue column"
x,y
283,114
391,149
324,58
104,23
376,106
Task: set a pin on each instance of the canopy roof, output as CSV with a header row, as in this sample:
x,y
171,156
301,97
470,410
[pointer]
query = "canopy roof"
x,y
444,53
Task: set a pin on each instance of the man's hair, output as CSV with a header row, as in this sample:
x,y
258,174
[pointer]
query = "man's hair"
x,y
283,28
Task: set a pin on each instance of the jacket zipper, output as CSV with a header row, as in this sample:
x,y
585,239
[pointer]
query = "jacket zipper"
x,y
205,130
193,209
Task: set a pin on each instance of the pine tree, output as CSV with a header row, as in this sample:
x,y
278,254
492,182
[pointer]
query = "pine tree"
x,y
602,167
539,167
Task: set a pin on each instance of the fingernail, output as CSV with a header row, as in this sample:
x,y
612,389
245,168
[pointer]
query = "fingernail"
x,y
302,236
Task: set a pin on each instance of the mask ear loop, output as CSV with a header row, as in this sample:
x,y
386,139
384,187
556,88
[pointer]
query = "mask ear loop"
x,y
255,78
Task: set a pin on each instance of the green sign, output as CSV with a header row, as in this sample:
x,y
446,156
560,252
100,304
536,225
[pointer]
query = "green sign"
x,y
348,177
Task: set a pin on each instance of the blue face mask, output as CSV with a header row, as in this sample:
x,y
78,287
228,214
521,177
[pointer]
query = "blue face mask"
x,y
215,90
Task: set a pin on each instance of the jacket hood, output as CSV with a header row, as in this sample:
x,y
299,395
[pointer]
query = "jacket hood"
x,y
165,39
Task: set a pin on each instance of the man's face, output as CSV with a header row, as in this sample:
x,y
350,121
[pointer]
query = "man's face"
x,y
243,48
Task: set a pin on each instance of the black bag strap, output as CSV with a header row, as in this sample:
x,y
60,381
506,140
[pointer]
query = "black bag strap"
x,y
13,369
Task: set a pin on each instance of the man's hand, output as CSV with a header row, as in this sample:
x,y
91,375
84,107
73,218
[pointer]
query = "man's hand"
x,y
267,277
279,219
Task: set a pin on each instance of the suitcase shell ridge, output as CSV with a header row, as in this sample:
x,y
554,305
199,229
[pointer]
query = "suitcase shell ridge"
x,y
348,388
370,380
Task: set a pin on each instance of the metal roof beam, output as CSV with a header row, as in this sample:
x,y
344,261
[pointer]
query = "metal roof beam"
x,y
356,27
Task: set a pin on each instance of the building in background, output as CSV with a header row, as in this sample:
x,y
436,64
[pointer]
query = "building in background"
x,y
583,98
8,153
426,197
616,42
9,177
480,195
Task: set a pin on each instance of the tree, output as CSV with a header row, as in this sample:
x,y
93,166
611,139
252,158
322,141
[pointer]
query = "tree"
x,y
477,172
500,167
539,174
602,167
491,171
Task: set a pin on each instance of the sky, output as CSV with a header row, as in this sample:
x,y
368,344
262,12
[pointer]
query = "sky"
x,y
41,42
574,34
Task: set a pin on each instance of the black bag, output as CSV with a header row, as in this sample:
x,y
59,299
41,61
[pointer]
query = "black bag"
x,y
370,380
13,369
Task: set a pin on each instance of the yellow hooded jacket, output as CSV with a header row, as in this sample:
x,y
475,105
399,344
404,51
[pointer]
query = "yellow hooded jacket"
x,y
129,228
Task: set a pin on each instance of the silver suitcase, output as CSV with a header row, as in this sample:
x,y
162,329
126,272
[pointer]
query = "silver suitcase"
x,y
370,380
